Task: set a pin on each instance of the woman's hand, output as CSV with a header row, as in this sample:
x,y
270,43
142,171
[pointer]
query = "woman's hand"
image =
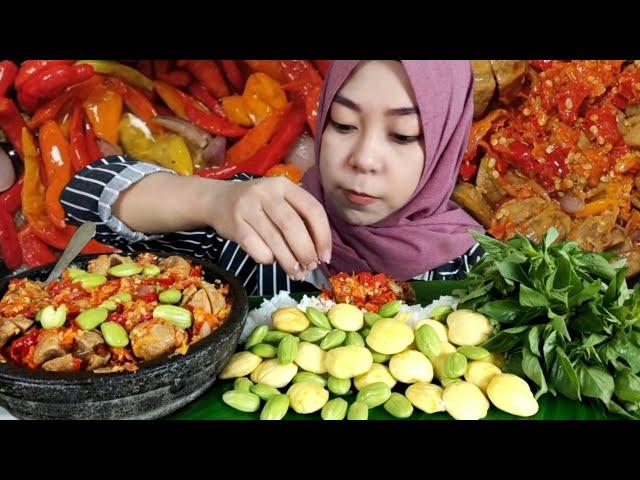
x,y
272,219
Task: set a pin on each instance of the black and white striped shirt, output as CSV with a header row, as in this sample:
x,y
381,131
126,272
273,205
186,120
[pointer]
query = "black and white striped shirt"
x,y
93,190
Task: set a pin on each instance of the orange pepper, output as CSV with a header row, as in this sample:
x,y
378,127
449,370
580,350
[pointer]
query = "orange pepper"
x,y
65,121
172,97
55,158
291,172
33,204
257,137
235,109
262,94
50,110
597,207
137,102
104,109
270,67
33,191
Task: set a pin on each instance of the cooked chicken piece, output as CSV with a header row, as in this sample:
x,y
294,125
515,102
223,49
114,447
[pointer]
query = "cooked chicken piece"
x,y
154,338
488,185
484,86
103,263
88,341
201,301
60,364
48,347
187,293
215,297
510,76
95,360
470,198
7,330
537,226
594,233
23,323
176,265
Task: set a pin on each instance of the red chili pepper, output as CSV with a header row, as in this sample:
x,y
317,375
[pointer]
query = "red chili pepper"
x,y
149,297
211,121
117,317
543,64
606,128
177,78
196,271
322,66
30,67
10,200
34,251
554,167
165,282
8,73
201,94
11,123
233,74
137,102
77,143
50,82
468,170
145,67
306,81
9,244
208,73
161,66
568,101
78,93
269,155
93,150
20,347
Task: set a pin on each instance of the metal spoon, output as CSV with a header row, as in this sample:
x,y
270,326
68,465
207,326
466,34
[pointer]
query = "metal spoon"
x,y
79,240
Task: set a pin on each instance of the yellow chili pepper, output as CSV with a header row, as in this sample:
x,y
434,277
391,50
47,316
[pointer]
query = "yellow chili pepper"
x,y
168,150
104,109
131,75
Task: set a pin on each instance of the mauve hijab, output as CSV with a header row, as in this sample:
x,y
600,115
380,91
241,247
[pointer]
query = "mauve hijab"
x,y
430,229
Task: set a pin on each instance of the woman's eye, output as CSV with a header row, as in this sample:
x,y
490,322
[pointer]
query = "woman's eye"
x,y
341,127
404,139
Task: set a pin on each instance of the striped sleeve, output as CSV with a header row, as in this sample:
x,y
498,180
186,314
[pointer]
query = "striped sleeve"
x,y
456,269
91,193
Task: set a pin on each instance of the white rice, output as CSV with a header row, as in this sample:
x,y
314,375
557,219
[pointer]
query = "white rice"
x,y
262,314
419,312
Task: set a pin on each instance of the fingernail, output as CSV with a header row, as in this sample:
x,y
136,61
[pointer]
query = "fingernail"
x,y
325,256
312,266
301,276
296,267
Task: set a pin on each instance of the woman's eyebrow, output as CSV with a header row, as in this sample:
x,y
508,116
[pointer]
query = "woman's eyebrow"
x,y
413,110
347,103
403,111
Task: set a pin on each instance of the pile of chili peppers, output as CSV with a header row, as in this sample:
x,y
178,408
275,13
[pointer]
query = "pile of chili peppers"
x,y
61,115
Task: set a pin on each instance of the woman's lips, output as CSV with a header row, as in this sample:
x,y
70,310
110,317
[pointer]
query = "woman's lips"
x,y
358,198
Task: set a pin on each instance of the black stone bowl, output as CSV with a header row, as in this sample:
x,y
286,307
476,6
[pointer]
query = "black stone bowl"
x,y
156,389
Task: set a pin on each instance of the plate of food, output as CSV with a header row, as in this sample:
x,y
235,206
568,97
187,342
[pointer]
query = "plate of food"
x,y
116,337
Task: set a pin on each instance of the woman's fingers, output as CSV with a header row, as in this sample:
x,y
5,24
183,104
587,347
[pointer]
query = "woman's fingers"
x,y
294,231
315,218
274,240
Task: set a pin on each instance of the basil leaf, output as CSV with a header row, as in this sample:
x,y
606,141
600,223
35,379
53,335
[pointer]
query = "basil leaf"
x,y
595,383
532,369
530,298
564,377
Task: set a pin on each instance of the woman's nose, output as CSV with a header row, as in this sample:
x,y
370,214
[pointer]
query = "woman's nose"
x,y
366,154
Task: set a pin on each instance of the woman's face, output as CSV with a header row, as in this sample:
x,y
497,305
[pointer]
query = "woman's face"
x,y
372,153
